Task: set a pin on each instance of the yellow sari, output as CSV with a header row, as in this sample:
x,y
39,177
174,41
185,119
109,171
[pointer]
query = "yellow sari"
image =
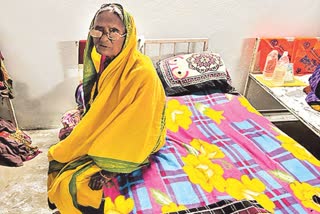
x,y
125,124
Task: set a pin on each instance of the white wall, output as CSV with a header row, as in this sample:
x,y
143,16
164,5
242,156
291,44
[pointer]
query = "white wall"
x,y
37,38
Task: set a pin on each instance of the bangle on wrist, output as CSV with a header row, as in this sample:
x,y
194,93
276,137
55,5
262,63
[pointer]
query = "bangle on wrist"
x,y
105,177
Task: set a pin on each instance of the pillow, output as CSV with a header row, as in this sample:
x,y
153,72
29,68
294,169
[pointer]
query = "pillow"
x,y
194,73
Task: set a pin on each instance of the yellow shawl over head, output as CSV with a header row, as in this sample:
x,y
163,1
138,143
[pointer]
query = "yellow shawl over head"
x,y
124,125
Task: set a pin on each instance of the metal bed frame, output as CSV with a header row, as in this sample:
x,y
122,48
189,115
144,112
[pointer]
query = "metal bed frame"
x,y
173,43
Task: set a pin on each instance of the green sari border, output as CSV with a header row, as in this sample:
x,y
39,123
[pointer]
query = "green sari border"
x,y
55,166
72,184
118,166
162,128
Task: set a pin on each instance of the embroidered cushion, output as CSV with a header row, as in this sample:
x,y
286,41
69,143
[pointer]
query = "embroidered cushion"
x,y
192,73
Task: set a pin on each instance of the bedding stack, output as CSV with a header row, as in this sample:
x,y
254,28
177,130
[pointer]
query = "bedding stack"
x,y
15,145
196,72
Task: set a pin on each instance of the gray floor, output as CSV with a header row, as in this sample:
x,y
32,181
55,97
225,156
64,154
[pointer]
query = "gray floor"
x,y
23,189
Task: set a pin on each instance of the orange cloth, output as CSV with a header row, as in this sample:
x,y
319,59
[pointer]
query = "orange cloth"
x,y
306,55
266,45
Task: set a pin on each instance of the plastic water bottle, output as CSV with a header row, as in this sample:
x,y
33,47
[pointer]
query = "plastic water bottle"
x,y
289,75
280,70
269,66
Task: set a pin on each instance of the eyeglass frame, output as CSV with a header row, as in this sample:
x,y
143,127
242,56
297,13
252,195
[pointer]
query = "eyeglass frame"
x,y
107,34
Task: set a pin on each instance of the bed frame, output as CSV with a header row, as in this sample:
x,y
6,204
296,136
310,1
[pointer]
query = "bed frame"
x,y
171,47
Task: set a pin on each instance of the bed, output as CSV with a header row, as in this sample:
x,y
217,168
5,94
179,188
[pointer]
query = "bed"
x,y
221,155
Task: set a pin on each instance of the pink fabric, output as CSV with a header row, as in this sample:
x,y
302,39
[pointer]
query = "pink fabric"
x,y
251,147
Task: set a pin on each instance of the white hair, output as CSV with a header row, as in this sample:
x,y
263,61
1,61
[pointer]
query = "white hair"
x,y
111,8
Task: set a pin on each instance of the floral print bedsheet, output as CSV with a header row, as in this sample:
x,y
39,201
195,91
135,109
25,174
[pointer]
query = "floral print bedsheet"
x,y
219,147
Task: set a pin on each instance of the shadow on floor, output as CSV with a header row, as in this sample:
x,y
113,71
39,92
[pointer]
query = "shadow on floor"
x,y
303,135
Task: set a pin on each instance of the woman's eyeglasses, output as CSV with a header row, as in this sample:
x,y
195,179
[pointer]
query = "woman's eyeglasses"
x,y
112,35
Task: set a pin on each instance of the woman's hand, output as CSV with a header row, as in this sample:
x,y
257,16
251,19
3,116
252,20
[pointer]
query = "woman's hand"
x,y
100,178
96,181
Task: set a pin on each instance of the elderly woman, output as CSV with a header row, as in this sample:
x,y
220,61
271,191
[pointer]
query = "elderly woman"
x,y
123,123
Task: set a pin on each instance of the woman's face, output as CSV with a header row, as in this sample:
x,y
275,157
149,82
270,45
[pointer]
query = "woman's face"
x,y
105,22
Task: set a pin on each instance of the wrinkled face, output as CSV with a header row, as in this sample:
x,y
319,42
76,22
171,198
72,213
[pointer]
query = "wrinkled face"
x,y
107,21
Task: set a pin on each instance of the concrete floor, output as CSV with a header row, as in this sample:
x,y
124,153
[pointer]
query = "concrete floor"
x,y
24,189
